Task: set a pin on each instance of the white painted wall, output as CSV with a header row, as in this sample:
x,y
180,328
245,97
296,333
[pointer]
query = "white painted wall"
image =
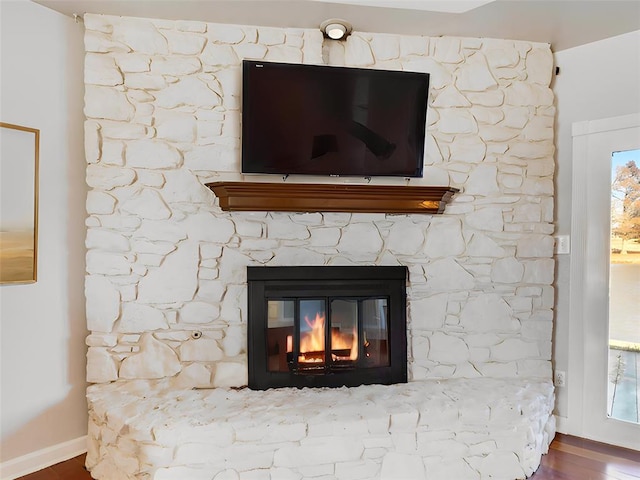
x,y
43,324
597,80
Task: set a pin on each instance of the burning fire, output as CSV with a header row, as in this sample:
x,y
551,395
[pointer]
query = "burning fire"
x,y
312,342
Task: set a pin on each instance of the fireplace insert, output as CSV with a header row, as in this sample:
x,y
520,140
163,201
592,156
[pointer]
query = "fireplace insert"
x,y
326,326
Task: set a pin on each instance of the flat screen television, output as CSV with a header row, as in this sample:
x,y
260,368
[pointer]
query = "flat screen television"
x,y
324,120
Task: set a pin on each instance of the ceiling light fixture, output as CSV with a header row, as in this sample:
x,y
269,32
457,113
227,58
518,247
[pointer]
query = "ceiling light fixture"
x,y
335,28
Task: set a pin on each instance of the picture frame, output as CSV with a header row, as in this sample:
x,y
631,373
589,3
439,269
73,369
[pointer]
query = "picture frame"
x,y
19,162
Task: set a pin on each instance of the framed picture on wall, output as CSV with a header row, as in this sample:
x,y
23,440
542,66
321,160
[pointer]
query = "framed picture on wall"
x,y
19,150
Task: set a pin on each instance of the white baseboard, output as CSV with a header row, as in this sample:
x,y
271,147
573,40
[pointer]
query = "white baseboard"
x,y
561,424
34,461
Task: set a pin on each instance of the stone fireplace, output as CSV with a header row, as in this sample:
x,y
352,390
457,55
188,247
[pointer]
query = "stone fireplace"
x,y
167,285
326,326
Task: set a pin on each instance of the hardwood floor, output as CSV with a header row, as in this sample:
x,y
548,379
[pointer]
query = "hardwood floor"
x,y
569,458
72,469
573,458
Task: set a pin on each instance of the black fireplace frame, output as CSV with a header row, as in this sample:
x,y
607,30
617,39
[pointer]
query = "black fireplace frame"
x,y
311,281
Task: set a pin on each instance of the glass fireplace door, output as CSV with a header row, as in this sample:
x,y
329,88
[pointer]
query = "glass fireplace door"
x,y
326,334
326,326
375,332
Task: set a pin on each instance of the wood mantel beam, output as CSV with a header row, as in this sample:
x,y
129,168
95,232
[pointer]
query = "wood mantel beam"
x,y
316,197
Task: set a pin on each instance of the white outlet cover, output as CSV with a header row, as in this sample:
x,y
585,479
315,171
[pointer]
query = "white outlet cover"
x,y
562,244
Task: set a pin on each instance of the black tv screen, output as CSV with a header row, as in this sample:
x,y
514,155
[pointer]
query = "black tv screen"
x,y
322,120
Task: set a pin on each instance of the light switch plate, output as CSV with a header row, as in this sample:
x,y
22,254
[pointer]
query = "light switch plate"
x,y
562,244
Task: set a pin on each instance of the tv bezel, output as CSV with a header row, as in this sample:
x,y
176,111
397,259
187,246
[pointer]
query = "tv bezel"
x,y
420,111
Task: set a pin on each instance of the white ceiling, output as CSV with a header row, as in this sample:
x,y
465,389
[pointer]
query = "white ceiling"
x,y
451,6
562,23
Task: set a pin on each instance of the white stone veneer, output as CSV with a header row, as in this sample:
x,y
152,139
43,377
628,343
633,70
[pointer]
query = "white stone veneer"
x,y
162,101
459,429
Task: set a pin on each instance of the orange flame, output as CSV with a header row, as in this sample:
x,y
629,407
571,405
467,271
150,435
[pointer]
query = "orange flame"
x,y
313,341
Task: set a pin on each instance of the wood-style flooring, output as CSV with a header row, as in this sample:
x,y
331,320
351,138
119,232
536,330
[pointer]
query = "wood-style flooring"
x,y
573,458
569,458
72,469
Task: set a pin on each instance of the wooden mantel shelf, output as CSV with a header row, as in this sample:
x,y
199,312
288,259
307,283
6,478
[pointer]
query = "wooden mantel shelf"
x,y
316,197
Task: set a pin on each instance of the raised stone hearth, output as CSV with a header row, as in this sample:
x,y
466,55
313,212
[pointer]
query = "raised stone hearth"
x,y
466,429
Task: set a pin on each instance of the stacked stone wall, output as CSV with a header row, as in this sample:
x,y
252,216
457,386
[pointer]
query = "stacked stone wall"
x,y
162,101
